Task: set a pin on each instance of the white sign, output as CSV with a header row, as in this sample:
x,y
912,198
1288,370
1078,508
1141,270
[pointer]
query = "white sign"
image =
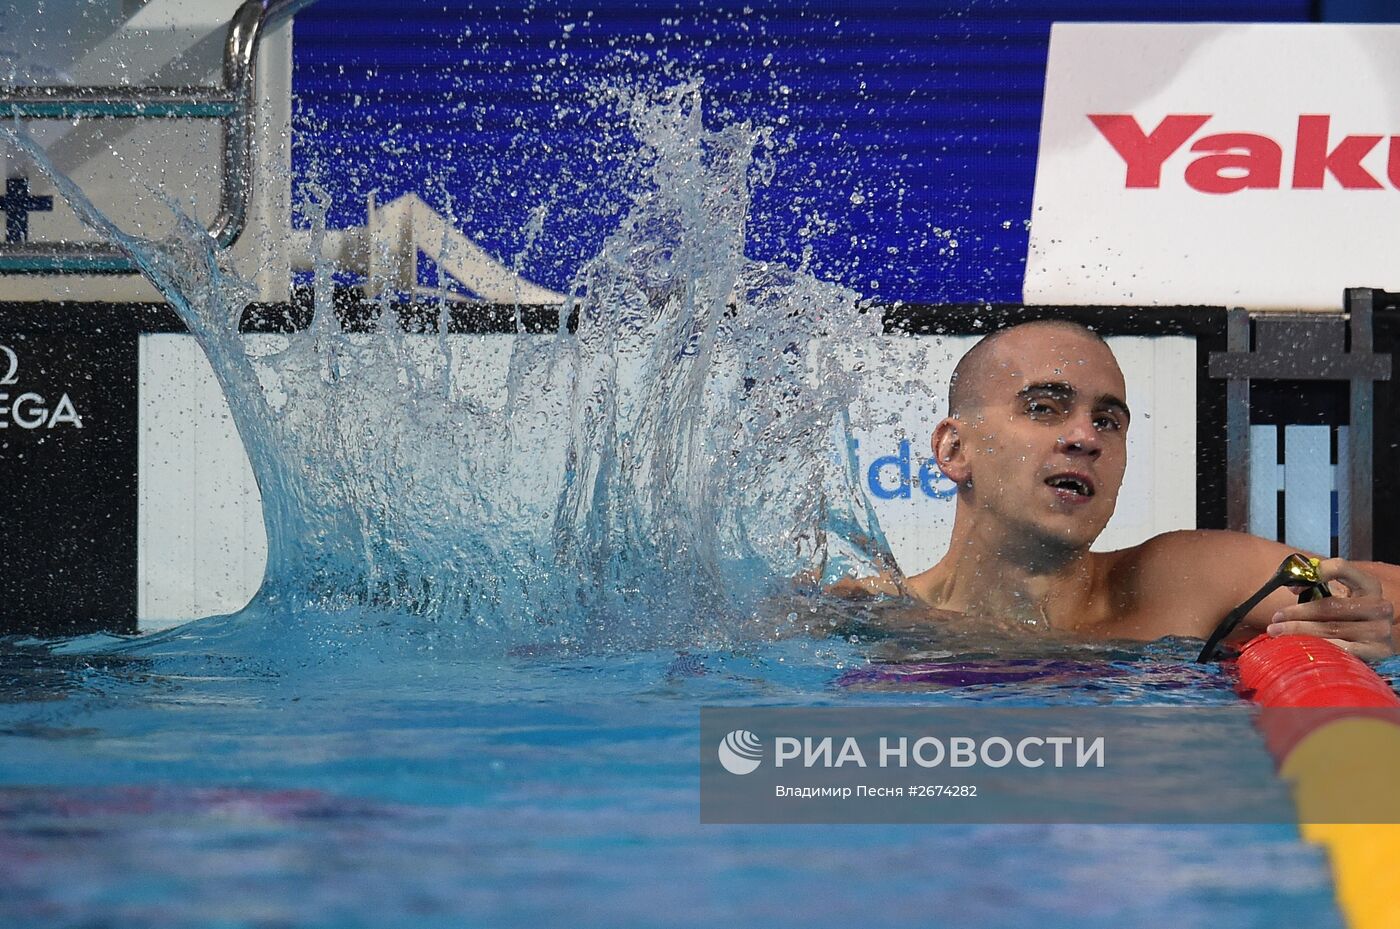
x,y
1236,165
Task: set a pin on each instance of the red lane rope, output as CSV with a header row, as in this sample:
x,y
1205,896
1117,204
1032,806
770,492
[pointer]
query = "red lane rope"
x,y
1303,671
1292,672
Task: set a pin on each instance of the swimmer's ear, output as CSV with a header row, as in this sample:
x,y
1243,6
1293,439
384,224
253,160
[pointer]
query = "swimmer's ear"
x,y
949,451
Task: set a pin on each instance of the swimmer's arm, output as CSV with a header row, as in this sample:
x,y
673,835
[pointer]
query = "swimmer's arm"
x,y
884,584
1203,574
887,581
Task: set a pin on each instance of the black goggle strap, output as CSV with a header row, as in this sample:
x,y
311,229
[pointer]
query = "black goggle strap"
x,y
1314,592
1287,576
1228,624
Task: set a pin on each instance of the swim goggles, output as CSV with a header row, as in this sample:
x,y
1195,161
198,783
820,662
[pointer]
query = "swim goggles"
x,y
1296,571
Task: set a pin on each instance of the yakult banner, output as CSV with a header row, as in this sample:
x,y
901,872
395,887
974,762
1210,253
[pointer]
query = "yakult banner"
x,y
1254,166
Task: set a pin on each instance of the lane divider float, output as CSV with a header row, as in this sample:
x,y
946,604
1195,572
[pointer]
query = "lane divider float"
x,y
1333,726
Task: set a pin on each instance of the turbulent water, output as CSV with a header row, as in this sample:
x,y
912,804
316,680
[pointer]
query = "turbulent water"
x,y
653,477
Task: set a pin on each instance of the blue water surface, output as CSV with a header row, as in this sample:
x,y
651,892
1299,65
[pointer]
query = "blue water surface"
x,y
366,772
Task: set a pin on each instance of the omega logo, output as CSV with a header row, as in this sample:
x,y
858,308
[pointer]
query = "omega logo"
x,y
30,410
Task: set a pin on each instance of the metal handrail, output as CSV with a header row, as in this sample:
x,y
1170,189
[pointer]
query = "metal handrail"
x,y
233,104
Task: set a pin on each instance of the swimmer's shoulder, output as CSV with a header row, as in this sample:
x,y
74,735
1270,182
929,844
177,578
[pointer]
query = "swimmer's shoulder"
x,y
1214,557
1183,582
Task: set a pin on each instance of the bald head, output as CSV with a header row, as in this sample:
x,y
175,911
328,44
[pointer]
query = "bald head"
x,y
965,390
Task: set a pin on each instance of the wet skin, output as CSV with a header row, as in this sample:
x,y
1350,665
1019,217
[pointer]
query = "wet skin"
x,y
1038,450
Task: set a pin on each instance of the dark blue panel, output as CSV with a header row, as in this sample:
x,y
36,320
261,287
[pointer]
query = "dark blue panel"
x,y
1359,11
912,125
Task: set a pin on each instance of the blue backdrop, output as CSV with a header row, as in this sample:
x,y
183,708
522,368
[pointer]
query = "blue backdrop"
x,y
914,124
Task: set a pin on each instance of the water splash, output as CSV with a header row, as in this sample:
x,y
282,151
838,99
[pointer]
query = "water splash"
x,y
650,479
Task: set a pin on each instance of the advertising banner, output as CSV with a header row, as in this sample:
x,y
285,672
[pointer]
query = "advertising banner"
x,y
1238,165
68,456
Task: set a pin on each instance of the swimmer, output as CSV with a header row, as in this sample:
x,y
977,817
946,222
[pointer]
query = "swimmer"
x,y
1036,441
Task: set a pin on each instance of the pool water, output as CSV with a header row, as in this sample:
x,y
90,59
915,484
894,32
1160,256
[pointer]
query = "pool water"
x,y
368,774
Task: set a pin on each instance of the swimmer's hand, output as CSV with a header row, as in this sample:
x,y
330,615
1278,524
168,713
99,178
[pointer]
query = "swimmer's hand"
x,y
1362,621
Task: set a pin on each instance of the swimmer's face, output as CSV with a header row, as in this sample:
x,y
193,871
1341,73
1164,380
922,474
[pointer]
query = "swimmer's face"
x,y
1045,439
